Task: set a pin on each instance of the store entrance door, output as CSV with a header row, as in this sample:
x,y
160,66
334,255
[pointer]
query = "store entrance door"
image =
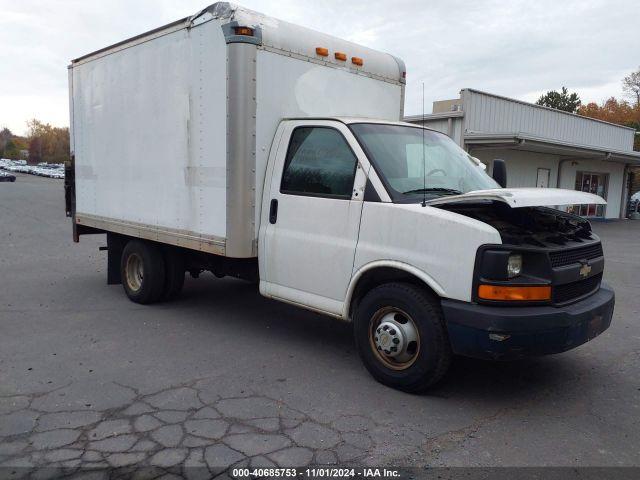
x,y
595,183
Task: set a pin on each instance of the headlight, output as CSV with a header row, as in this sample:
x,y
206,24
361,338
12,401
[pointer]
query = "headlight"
x,y
514,265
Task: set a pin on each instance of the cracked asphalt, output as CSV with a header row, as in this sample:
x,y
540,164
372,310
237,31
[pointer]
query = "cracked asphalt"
x,y
223,377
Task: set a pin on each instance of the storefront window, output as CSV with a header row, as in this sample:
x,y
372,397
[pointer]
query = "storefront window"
x,y
595,183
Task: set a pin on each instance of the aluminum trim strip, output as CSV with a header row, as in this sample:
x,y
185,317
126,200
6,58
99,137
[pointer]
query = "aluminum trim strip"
x,y
305,58
179,238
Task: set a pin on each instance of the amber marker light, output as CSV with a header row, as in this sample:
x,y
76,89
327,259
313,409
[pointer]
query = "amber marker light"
x,y
246,31
341,56
518,294
323,52
357,61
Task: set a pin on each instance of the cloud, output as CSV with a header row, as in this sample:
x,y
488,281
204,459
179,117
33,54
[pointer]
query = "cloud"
x,y
518,48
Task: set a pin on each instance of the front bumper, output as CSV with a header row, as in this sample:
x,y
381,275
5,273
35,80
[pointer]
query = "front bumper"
x,y
524,331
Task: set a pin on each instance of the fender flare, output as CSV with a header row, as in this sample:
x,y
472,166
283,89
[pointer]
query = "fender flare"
x,y
416,272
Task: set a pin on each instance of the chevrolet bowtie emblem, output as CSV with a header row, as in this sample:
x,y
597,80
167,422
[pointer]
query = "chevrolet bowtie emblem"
x,y
585,270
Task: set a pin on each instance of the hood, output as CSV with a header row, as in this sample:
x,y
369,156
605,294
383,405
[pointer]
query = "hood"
x,y
525,197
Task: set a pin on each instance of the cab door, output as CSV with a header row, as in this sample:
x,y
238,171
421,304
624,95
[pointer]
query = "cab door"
x,y
312,216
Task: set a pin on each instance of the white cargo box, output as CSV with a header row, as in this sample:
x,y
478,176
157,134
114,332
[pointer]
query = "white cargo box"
x,y
171,130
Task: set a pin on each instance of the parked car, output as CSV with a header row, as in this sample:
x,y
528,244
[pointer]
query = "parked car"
x,y
51,170
634,204
7,177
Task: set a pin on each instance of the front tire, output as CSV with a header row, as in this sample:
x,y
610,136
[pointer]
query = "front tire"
x,y
401,337
142,271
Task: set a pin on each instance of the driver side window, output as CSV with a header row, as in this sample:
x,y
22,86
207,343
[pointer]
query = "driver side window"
x,y
319,163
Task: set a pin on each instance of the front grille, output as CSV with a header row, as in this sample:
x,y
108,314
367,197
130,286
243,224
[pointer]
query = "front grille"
x,y
568,257
570,291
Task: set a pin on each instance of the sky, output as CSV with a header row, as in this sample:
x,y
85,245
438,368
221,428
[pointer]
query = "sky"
x,y
515,48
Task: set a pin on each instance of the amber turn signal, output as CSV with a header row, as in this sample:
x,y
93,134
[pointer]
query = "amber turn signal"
x,y
519,294
244,31
323,52
357,61
341,56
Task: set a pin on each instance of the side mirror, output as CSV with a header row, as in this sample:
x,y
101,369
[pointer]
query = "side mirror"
x,y
500,172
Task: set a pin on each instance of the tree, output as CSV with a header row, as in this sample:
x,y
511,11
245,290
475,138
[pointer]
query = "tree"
x,y
631,86
35,150
561,100
5,136
11,151
46,143
11,145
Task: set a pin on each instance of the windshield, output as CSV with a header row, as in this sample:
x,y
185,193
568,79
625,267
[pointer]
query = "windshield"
x,y
411,167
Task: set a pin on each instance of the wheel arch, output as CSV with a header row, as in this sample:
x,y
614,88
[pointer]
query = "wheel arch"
x,y
383,271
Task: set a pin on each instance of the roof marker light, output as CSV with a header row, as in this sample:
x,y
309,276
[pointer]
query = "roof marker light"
x,y
323,52
357,61
246,31
341,56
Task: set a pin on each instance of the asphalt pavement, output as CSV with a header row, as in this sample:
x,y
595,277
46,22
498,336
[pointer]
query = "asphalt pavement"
x,y
225,377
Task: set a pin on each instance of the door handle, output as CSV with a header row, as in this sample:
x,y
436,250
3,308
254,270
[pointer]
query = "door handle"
x,y
273,211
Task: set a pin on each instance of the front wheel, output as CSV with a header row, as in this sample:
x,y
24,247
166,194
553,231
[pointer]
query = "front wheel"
x,y
401,336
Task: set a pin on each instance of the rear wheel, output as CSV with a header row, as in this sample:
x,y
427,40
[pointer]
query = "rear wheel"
x,y
142,269
174,274
401,336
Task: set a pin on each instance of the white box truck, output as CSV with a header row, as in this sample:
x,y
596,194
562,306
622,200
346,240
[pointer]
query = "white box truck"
x,y
243,145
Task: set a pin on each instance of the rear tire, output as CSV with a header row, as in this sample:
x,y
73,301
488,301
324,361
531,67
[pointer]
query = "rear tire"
x,y
174,274
401,337
142,270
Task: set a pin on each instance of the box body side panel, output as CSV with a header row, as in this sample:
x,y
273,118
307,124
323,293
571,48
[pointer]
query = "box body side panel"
x,y
149,128
289,87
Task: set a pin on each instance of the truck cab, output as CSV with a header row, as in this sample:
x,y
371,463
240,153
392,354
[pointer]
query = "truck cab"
x,y
397,229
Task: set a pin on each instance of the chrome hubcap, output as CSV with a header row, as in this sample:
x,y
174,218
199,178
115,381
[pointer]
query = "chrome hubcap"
x,y
134,272
394,338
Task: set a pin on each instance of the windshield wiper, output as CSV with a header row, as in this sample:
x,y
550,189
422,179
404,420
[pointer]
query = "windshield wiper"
x,y
450,191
